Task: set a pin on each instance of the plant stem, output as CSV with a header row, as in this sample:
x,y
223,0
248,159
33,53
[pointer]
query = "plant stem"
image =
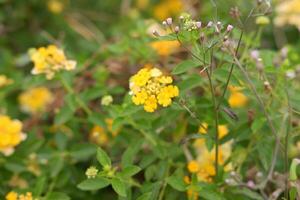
x,y
70,90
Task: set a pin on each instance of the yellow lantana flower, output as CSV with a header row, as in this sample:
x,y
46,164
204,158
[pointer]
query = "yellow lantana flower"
x,y
288,13
149,87
222,129
55,6
4,81
10,134
237,99
165,48
11,196
99,135
49,60
35,100
193,166
168,8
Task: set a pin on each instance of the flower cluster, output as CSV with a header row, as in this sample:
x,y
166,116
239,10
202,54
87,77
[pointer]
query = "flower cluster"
x,y
91,172
99,135
149,87
10,134
35,100
288,13
203,166
237,99
4,81
15,196
49,60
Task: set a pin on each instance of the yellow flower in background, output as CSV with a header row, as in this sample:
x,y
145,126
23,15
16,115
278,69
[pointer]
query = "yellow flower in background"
x,y
149,87
193,166
55,6
165,48
35,100
10,134
168,8
99,135
27,196
142,4
222,129
4,81
11,196
49,60
237,99
288,13
191,193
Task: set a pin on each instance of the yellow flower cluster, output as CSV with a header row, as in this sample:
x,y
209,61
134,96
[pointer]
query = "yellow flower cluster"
x,y
55,6
35,100
237,99
15,196
165,48
168,8
99,135
4,81
203,166
191,193
149,87
10,134
49,60
288,13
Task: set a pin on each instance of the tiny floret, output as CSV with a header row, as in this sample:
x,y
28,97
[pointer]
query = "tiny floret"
x,y
150,88
91,172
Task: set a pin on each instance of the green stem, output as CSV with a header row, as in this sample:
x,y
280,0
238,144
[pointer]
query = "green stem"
x,y
146,135
70,90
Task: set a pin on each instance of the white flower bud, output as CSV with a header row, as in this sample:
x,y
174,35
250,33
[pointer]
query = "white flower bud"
x,y
169,21
164,23
198,24
209,24
229,28
176,29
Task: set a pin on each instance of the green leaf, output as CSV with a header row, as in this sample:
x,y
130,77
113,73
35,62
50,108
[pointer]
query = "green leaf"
x,y
40,186
185,66
93,184
293,169
245,191
83,151
176,182
119,187
103,158
57,196
130,171
145,196
64,115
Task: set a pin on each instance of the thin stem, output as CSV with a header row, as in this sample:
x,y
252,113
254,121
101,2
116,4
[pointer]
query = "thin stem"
x,y
273,130
216,116
70,90
146,135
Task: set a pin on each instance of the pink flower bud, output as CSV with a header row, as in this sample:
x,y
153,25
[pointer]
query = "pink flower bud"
x,y
198,24
169,21
229,28
209,24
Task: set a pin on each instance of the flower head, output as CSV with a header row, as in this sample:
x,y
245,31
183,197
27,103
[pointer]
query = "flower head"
x,y
4,81
99,135
11,196
167,8
10,134
15,196
164,47
288,13
49,60
237,99
55,6
149,87
91,172
106,100
35,100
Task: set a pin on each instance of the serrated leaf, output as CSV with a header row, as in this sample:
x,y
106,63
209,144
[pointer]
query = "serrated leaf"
x,y
93,184
119,187
103,158
185,66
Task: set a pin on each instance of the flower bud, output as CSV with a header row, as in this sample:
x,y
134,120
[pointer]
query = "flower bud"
x,y
169,21
155,33
176,29
209,24
198,24
164,23
91,172
106,100
229,28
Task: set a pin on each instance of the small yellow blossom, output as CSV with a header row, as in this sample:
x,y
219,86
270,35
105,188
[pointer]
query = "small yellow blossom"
x,y
237,99
10,134
35,100
27,196
262,20
149,87
222,129
191,193
168,8
15,196
193,166
55,6
11,196
288,13
49,60
165,48
4,81
99,135
142,4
